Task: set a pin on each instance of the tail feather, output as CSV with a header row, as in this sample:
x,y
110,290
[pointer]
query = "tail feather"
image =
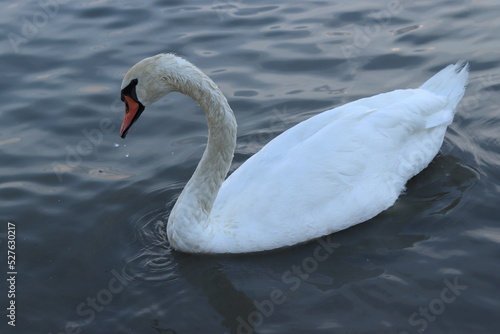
x,y
450,82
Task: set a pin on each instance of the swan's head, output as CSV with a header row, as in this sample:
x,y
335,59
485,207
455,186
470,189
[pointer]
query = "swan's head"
x,y
146,82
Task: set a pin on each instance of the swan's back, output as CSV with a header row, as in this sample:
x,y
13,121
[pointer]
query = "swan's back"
x,y
336,169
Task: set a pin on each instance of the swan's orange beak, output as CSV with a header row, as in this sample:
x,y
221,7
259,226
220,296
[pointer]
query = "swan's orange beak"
x,y
133,110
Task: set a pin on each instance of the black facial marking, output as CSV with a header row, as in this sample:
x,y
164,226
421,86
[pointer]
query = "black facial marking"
x,y
130,91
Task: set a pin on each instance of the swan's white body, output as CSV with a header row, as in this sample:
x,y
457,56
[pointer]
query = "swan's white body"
x,y
334,170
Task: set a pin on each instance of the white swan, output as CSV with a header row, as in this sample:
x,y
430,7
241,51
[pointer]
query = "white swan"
x,y
334,170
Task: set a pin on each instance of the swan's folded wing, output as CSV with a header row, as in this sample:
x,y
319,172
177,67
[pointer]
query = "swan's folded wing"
x,y
334,170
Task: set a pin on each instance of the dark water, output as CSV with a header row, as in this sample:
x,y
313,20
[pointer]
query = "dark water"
x,y
89,208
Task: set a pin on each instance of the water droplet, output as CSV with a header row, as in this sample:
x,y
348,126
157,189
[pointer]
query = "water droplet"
x,y
116,144
126,155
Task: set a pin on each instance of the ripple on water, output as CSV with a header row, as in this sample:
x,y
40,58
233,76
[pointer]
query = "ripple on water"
x,y
149,256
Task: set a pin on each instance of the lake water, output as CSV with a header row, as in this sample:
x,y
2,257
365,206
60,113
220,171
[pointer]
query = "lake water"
x,y
89,209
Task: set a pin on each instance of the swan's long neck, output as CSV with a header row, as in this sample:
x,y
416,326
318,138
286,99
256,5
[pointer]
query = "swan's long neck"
x,y
190,215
